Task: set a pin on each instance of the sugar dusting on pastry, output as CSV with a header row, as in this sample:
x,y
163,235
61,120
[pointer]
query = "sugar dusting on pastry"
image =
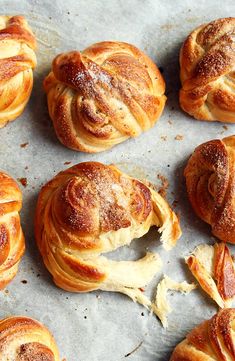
x,y
91,209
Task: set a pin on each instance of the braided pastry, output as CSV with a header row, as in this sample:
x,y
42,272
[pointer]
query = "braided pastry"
x,y
207,62
91,209
17,44
103,95
210,180
212,340
25,339
12,243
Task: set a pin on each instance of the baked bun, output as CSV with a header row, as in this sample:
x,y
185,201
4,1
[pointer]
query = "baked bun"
x,y
17,44
12,243
103,95
212,340
210,181
25,339
207,64
91,209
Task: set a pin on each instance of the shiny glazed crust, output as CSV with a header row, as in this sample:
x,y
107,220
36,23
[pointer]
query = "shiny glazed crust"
x,y
91,209
12,243
207,71
25,339
212,340
17,44
103,95
210,180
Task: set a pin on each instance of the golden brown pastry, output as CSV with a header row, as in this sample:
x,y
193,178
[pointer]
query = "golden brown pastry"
x,y
91,209
212,340
25,339
12,243
210,180
103,95
214,269
17,44
207,71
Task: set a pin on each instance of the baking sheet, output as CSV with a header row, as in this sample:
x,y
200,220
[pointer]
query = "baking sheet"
x,y
98,325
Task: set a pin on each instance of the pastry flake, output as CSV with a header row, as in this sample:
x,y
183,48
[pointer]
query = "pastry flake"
x,y
161,306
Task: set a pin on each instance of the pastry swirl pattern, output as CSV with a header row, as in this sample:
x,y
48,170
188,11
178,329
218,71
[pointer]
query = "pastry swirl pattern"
x,y
103,95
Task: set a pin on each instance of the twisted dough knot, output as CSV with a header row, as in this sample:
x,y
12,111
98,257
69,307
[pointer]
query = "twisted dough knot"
x,y
17,44
210,180
91,209
102,96
207,61
12,243
211,340
25,339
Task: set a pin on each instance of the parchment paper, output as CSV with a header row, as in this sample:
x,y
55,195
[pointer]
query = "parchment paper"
x,y
103,326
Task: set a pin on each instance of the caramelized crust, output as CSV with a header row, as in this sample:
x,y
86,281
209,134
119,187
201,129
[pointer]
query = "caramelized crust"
x,y
17,44
211,340
213,267
12,243
210,180
103,95
207,71
25,339
91,209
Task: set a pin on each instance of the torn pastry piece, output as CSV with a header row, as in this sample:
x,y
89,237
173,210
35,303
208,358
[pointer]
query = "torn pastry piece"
x,y
214,270
91,209
161,306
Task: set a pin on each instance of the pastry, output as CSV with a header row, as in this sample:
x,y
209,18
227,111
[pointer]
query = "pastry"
x,y
210,181
92,208
161,305
207,72
213,267
17,45
12,243
103,95
25,339
212,340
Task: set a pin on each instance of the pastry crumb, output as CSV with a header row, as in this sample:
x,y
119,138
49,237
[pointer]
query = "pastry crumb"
x,y
24,282
164,137
66,163
175,203
179,137
23,181
225,127
24,145
164,185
